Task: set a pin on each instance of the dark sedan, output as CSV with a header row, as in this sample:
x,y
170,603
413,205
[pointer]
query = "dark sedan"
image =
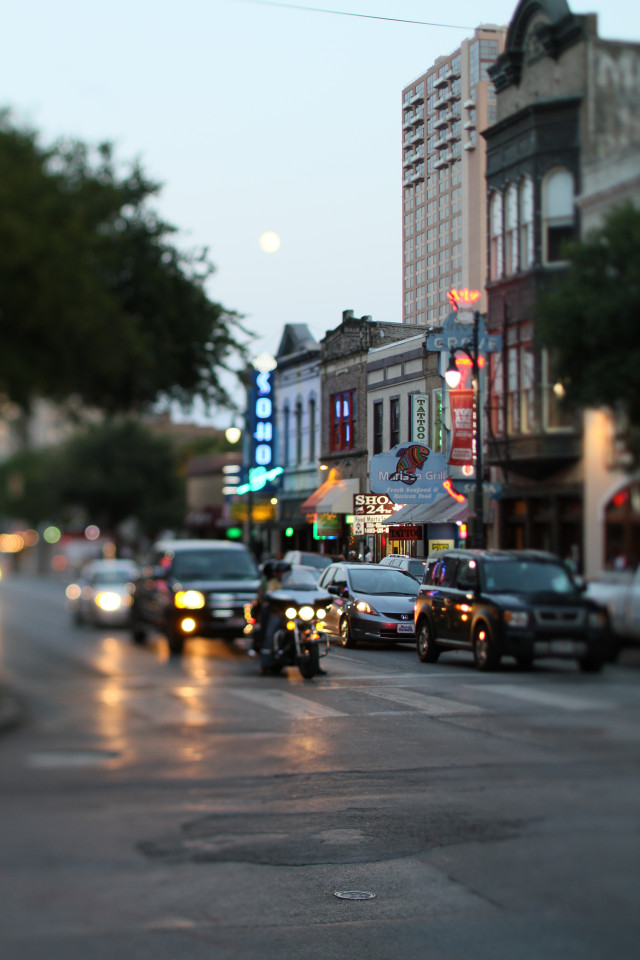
x,y
519,603
371,603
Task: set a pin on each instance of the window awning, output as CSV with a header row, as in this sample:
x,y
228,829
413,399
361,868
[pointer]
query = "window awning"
x,y
443,510
334,496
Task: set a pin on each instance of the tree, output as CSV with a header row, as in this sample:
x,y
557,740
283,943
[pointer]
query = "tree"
x,y
590,321
104,474
97,303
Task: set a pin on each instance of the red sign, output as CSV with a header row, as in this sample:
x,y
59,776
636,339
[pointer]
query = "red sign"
x,y
405,532
462,427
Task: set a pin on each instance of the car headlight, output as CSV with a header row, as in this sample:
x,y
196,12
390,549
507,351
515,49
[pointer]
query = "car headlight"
x,y
189,600
598,619
516,618
108,601
363,607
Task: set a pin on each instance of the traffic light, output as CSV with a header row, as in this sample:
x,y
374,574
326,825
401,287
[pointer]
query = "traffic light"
x,y
463,533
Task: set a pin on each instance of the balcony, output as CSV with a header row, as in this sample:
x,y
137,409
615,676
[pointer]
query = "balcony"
x,y
418,115
443,160
452,74
469,146
417,98
441,82
442,121
408,160
441,143
407,120
470,125
442,101
417,176
451,136
469,104
416,138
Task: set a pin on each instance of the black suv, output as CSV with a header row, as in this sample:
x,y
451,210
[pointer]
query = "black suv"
x,y
194,588
519,603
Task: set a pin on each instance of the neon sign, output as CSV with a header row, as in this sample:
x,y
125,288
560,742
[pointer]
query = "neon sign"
x,y
463,298
261,420
448,485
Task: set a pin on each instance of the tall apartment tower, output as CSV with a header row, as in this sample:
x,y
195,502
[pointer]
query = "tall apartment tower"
x,y
443,176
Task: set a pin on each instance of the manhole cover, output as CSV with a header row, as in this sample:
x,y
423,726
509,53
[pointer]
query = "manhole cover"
x,y
354,895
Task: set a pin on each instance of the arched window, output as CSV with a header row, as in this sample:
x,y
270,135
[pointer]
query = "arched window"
x,y
497,237
526,224
511,230
312,430
285,435
299,431
557,213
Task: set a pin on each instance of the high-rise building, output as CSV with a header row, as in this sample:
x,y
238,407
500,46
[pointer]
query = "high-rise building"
x,y
443,176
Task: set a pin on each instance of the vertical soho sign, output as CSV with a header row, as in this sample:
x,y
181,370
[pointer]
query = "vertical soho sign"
x,y
261,413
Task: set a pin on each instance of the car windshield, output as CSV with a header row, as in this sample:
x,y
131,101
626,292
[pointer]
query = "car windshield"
x,y
528,576
214,565
416,568
383,580
112,577
300,579
314,560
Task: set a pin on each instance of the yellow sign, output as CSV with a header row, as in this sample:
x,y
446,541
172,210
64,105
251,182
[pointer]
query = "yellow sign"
x,y
260,512
435,545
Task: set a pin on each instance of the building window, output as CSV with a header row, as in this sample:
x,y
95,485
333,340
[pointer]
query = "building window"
x,y
285,433
513,391
497,395
497,263
343,420
394,421
555,413
312,430
377,426
298,432
526,224
436,422
527,383
511,230
557,212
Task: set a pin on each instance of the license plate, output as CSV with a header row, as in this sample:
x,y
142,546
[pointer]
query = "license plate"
x,y
405,628
561,647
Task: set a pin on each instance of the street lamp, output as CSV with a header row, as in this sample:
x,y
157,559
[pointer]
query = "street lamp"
x,y
452,378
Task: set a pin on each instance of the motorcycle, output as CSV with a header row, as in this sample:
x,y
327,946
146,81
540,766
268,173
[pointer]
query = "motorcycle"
x,y
296,616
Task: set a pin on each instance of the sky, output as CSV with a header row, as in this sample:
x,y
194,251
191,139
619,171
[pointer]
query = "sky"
x,y
256,117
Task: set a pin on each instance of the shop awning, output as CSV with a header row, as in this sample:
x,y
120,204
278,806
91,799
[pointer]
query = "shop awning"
x,y
334,496
443,510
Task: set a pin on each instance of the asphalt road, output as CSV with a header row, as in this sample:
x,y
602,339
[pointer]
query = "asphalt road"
x,y
154,807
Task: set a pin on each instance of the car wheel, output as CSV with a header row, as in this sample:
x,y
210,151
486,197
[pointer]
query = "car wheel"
x,y
427,649
484,649
525,663
346,638
138,632
309,663
591,664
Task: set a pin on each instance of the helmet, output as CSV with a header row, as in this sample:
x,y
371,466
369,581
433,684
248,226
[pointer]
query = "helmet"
x,y
268,569
281,567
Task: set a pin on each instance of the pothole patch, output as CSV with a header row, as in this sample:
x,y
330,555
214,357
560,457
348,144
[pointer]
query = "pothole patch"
x,y
305,839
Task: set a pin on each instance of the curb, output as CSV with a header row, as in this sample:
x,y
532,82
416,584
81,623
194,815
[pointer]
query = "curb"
x,y
12,709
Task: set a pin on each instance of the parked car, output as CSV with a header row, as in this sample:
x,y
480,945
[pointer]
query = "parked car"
x,y
194,588
416,566
306,558
619,592
372,602
102,592
520,603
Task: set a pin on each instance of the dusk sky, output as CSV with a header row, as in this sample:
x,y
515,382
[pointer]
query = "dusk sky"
x,y
256,117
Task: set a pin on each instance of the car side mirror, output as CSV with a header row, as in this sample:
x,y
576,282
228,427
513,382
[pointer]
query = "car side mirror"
x,y
332,588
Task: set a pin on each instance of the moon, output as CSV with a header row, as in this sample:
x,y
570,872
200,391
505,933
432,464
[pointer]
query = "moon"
x,y
269,242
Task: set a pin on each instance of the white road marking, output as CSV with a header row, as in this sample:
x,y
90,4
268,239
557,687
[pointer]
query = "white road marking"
x,y
544,698
434,706
288,703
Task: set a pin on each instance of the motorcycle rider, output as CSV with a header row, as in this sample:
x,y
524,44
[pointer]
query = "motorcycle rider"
x,y
269,622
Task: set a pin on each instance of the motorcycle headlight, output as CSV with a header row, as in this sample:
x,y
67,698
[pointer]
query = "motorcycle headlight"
x,y
291,613
306,613
516,618
363,607
189,600
321,613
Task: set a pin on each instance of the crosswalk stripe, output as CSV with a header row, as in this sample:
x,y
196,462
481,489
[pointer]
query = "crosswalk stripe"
x,y
544,698
289,703
434,706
